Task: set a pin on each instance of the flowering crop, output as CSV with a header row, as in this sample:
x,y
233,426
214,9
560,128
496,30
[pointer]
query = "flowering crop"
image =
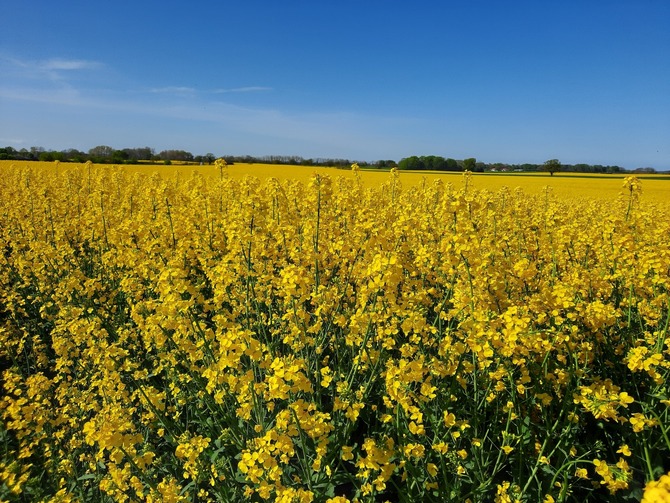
x,y
215,338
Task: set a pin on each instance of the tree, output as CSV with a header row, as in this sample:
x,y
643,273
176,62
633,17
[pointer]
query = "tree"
x,y
175,155
120,156
452,164
439,163
74,155
412,162
35,152
101,151
552,165
139,154
469,164
8,153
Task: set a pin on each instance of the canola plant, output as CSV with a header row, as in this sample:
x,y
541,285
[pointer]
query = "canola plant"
x,y
210,338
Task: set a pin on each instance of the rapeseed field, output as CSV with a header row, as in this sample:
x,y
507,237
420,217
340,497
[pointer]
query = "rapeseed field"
x,y
332,336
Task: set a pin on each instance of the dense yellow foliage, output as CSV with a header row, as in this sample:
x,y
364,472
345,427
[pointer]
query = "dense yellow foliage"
x,y
217,337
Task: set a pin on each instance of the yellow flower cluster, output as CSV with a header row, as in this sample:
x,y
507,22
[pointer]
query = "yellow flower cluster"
x,y
210,338
614,477
657,490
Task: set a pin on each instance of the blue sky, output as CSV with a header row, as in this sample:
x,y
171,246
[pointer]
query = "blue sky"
x,y
502,81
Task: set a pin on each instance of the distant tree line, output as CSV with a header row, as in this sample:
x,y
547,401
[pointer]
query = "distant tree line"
x,y
318,161
287,159
438,163
107,155
103,154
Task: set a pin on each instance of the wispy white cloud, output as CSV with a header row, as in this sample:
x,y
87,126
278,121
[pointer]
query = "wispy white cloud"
x,y
48,65
311,133
181,90
56,64
54,82
186,90
55,70
55,95
248,89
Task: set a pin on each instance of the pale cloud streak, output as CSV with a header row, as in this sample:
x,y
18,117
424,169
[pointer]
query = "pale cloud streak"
x,y
191,91
248,89
175,90
52,82
56,64
49,67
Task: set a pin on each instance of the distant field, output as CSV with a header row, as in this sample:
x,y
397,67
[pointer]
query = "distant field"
x,y
654,187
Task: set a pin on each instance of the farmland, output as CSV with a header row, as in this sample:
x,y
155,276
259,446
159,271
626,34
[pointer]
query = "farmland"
x,y
592,186
252,333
